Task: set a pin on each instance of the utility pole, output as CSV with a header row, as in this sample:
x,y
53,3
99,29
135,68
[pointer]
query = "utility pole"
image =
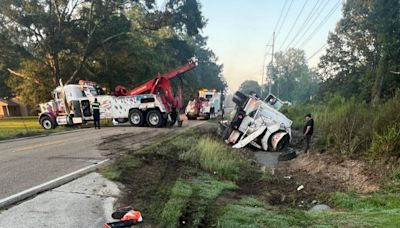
x,y
265,67
272,62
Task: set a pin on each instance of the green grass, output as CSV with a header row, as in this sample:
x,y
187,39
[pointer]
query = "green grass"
x,y
249,212
114,172
16,127
214,157
173,209
375,202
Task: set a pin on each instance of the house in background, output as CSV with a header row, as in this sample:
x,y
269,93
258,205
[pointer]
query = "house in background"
x,y
12,107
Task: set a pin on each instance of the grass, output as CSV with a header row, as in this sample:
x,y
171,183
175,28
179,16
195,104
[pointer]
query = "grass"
x,y
16,127
114,172
249,212
214,157
206,169
173,209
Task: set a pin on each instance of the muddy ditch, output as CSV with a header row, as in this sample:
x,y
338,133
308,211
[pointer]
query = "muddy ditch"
x,y
148,182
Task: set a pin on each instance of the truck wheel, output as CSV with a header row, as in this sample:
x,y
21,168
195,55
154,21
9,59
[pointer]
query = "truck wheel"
x,y
47,123
136,118
239,98
154,118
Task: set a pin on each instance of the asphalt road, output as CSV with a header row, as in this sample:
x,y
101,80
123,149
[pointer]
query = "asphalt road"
x,y
26,163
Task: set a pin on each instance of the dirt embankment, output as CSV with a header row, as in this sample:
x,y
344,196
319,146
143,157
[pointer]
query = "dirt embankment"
x,y
332,171
319,174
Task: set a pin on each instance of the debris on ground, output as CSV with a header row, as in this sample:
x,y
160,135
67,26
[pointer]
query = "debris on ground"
x,y
331,170
320,207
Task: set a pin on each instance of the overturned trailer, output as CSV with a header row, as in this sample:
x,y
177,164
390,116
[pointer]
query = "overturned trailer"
x,y
257,122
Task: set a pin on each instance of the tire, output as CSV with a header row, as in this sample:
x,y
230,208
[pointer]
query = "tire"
x,y
136,118
154,118
208,116
240,98
47,123
286,156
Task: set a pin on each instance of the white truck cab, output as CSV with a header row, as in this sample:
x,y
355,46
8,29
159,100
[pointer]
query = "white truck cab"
x,y
258,123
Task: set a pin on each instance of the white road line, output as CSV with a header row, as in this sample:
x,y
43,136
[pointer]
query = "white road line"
x,y
48,185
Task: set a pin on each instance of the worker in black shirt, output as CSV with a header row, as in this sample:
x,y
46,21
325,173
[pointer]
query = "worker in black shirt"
x,y
308,131
96,113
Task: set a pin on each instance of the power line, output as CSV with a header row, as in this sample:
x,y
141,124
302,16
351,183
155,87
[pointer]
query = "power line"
x,y
316,52
280,16
284,19
294,24
304,24
311,24
335,7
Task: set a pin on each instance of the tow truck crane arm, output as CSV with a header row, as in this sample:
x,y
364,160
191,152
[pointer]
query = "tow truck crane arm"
x,y
161,83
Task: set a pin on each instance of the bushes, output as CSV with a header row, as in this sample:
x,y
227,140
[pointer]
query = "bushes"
x,y
354,128
387,143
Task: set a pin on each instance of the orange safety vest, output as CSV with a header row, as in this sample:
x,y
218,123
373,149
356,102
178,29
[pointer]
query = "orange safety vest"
x,y
132,215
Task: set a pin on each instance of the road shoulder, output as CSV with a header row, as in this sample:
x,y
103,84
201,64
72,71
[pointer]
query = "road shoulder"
x,y
84,202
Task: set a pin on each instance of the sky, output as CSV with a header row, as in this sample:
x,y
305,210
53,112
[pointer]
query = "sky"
x,y
240,32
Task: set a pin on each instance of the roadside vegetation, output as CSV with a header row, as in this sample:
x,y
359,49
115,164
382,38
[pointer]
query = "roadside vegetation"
x,y
354,128
16,127
193,179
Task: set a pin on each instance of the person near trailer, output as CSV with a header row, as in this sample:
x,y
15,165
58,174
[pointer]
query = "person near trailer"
x,y
96,113
212,111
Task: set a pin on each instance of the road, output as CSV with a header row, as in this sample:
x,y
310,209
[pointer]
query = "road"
x,y
29,162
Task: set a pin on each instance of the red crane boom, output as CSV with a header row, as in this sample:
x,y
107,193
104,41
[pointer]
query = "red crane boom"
x,y
161,83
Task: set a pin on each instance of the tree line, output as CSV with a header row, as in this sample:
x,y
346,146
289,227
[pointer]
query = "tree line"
x,y
362,59
111,42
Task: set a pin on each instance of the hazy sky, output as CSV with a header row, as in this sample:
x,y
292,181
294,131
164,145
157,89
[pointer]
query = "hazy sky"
x,y
239,31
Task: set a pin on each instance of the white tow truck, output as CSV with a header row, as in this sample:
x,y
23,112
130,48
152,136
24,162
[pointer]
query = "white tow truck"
x,y
153,103
203,104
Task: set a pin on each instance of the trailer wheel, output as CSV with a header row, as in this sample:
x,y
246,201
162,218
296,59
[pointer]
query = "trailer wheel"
x,y
47,123
136,118
154,118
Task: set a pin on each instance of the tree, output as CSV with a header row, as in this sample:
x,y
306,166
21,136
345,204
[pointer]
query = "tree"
x,y
363,50
292,79
249,86
111,42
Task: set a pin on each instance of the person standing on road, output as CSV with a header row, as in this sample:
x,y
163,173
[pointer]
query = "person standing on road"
x,y
308,131
212,112
96,113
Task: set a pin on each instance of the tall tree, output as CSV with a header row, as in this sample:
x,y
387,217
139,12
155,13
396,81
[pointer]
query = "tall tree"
x,y
363,50
249,86
292,79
